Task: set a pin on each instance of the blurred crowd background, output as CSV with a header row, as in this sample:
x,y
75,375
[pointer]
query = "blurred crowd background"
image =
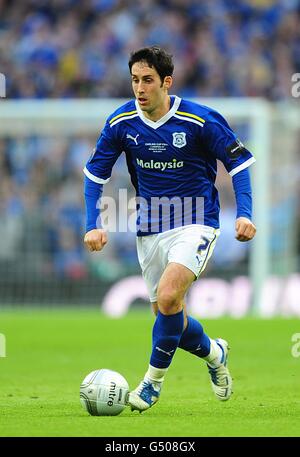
x,y
79,49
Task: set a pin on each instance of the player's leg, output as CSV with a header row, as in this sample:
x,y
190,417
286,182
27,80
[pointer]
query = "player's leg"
x,y
191,248
167,331
193,338
169,324
214,352
154,306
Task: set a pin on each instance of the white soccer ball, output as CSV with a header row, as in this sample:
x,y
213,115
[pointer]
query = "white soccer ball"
x,y
104,393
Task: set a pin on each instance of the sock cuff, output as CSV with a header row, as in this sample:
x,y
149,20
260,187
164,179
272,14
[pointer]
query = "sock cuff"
x,y
173,323
156,374
215,355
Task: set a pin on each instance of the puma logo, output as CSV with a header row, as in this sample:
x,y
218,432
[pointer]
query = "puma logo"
x,y
169,353
132,137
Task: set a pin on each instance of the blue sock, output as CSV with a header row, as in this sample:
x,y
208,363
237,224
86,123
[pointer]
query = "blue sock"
x,y
194,340
166,334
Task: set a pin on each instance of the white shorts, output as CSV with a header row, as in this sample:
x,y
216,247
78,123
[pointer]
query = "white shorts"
x,y
191,246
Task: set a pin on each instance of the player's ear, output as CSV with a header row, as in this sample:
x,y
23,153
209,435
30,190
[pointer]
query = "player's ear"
x,y
168,81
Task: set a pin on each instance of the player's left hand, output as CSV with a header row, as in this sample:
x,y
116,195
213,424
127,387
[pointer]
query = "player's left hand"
x,y
245,229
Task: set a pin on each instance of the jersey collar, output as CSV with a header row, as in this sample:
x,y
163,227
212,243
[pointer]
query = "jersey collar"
x,y
162,120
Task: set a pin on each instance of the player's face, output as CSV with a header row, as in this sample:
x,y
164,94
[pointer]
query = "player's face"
x,y
150,92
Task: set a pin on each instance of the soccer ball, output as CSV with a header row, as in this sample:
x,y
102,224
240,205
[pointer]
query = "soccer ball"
x,y
104,393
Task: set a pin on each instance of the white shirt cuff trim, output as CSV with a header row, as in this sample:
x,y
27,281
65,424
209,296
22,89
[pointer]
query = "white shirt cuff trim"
x,y
94,178
242,166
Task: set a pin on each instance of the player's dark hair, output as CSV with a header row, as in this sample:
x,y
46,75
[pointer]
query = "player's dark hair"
x,y
156,58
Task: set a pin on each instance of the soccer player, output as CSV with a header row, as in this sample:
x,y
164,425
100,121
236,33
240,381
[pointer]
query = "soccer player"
x,y
171,146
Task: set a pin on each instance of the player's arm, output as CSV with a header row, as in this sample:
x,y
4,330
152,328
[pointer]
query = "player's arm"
x,y
95,238
225,146
245,229
97,172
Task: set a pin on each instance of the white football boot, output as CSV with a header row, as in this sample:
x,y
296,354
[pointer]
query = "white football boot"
x,y
145,395
221,380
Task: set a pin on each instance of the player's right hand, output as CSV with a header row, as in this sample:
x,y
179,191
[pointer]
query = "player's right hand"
x,y
95,240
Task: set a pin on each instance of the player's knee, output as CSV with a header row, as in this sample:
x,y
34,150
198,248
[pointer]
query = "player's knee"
x,y
168,301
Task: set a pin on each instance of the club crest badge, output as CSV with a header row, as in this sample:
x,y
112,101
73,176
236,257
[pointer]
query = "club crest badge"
x,y
179,139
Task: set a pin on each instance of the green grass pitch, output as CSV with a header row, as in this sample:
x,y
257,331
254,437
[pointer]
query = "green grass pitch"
x,y
50,352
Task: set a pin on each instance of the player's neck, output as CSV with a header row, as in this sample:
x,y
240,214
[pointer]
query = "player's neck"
x,y
160,111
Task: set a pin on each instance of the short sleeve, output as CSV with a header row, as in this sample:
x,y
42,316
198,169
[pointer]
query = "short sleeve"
x,y
222,143
104,156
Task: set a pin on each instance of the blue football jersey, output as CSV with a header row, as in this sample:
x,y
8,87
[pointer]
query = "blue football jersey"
x,y
172,162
